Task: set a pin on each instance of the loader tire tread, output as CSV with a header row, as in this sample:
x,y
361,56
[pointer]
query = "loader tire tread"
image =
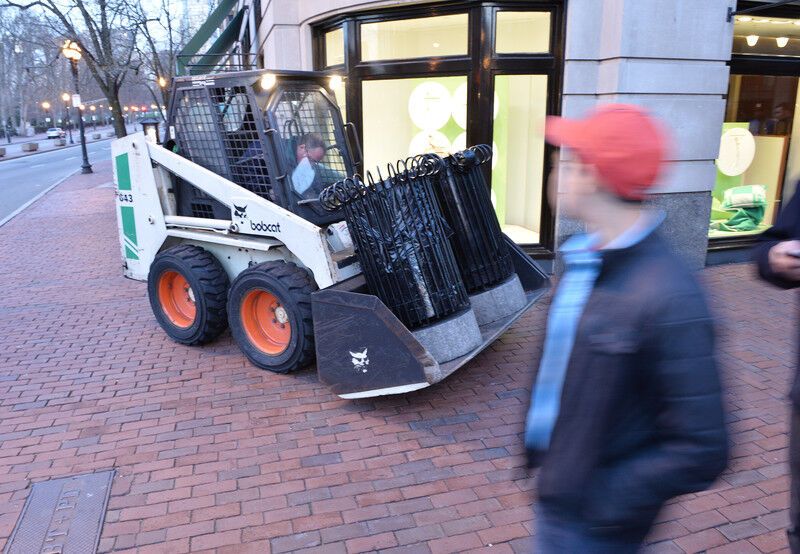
x,y
299,285
211,282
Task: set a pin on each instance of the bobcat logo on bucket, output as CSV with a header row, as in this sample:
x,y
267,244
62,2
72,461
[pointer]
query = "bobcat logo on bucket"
x,y
239,211
360,360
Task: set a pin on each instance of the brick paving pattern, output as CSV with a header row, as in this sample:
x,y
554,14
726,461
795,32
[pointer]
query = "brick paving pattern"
x,y
215,455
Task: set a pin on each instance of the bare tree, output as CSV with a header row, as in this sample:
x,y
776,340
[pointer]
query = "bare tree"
x,y
105,35
162,36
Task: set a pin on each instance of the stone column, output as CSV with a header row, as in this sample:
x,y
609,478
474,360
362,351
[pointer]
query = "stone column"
x,y
669,56
279,35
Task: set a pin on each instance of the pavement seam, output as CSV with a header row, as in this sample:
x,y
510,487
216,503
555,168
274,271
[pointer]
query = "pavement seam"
x,y
22,208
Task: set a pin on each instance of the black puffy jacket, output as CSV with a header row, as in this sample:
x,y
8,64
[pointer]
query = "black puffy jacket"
x,y
641,417
787,227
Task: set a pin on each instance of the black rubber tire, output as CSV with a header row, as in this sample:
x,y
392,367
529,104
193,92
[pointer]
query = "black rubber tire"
x,y
293,286
209,284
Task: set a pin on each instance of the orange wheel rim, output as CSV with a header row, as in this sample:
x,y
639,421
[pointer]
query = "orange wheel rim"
x,y
266,322
177,299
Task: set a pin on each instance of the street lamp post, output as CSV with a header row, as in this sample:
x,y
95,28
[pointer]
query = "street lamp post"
x,y
72,52
68,121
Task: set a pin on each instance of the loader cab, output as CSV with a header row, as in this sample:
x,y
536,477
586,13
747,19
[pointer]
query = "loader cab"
x,y
278,134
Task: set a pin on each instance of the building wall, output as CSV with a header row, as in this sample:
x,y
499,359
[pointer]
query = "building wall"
x,y
670,57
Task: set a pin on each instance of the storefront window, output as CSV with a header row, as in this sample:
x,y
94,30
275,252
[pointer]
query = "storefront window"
x,y
409,81
405,117
334,47
444,35
518,32
518,165
758,160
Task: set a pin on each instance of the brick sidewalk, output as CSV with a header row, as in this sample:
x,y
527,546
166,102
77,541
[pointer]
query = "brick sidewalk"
x,y
212,453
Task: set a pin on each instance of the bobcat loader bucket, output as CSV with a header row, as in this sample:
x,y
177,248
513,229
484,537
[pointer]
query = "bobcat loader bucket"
x,y
364,350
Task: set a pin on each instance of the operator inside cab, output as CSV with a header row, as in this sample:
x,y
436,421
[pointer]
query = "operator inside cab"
x,y
310,175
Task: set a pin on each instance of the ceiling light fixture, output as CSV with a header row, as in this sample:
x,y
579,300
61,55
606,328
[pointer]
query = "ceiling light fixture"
x,y
796,22
752,40
762,20
745,18
782,41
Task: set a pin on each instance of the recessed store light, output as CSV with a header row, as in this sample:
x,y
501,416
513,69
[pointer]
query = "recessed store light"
x,y
782,41
436,45
777,21
752,40
762,20
796,21
745,18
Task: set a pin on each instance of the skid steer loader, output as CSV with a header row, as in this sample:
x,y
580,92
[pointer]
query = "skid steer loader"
x,y
225,224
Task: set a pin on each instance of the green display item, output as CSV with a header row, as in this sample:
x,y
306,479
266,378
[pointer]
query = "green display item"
x,y
745,196
743,219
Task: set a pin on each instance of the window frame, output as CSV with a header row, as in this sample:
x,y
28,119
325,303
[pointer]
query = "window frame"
x,y
481,64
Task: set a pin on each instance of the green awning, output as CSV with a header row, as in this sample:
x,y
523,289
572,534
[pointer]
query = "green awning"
x,y
221,45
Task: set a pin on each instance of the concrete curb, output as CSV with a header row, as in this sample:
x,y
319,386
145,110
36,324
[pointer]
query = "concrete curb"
x,y
22,208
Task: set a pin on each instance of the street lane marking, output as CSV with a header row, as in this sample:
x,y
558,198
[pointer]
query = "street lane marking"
x,y
37,165
70,158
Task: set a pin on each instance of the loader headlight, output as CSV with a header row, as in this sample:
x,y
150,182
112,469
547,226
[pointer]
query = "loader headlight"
x,y
268,81
335,82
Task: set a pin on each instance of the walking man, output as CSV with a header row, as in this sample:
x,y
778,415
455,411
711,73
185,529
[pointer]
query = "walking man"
x,y
778,257
626,410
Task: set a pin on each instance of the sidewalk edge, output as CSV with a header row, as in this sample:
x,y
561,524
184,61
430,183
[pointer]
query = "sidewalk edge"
x,y
22,208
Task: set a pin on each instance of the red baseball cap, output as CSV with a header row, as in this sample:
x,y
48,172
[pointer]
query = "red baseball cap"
x,y
624,143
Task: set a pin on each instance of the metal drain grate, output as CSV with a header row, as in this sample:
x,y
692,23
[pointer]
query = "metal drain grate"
x,y
63,516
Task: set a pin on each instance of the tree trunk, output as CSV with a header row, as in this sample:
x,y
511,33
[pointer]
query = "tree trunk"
x,y
118,116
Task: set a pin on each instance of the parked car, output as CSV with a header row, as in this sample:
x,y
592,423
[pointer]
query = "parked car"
x,y
55,132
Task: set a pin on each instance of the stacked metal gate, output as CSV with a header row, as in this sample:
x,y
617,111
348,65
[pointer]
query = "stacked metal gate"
x,y
401,240
478,244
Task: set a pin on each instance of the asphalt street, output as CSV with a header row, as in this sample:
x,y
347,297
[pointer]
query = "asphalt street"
x,y
22,179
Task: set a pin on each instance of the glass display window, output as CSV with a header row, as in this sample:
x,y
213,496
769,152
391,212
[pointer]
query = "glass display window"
x,y
438,77
444,35
406,117
518,32
758,159
518,164
334,47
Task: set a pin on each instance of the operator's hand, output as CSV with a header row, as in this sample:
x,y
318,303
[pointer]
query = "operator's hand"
x,y
782,263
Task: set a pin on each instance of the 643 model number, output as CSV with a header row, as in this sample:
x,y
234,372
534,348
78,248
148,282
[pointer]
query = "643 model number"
x,y
123,197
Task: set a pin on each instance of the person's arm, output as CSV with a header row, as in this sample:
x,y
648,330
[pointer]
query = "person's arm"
x,y
771,254
691,447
